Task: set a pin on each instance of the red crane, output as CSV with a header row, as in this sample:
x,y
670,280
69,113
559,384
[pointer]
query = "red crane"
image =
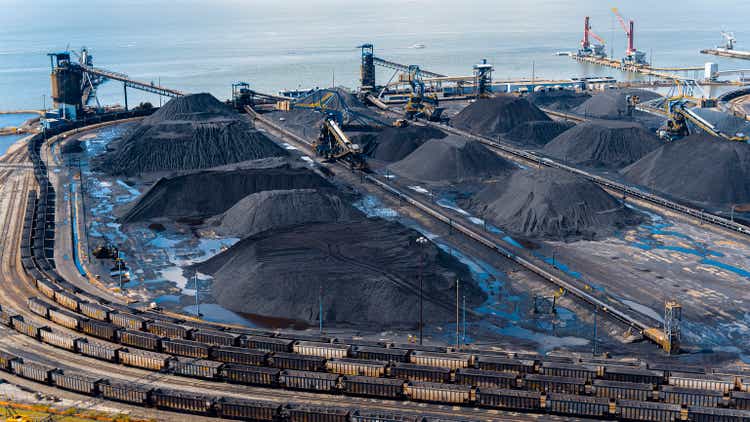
x,y
585,44
628,31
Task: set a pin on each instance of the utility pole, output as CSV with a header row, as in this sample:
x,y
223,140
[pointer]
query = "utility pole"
x,y
119,269
458,321
197,299
594,350
320,310
463,338
421,243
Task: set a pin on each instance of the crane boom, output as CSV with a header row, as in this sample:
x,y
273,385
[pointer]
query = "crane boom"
x,y
596,37
621,20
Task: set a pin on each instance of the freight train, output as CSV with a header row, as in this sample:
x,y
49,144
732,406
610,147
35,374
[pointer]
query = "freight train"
x,y
516,382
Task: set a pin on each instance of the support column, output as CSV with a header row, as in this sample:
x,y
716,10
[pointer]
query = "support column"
x,y
125,90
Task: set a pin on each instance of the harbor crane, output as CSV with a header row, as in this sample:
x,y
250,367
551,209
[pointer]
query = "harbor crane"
x,y
632,55
587,49
333,144
729,40
420,104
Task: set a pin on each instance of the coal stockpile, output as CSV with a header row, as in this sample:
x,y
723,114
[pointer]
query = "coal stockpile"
x,y
612,104
301,121
73,146
368,271
537,134
698,169
395,143
550,203
609,144
281,208
206,193
563,100
191,132
493,116
452,159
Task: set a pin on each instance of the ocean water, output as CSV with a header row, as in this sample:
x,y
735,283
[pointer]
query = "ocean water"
x,y
202,46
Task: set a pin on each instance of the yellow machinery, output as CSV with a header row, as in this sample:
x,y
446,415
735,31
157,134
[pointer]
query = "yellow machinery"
x,y
401,123
333,144
419,104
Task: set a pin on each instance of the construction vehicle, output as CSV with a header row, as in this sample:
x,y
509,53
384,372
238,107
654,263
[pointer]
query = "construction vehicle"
x,y
631,102
333,144
400,123
632,55
420,105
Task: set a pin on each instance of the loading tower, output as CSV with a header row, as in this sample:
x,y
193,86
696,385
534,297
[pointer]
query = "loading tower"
x,y
367,68
483,79
672,319
66,78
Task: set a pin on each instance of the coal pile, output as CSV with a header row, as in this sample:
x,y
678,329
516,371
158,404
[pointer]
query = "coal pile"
x,y
190,132
609,144
73,146
698,169
537,134
553,204
395,143
493,116
368,271
301,121
273,209
612,104
205,193
563,100
452,159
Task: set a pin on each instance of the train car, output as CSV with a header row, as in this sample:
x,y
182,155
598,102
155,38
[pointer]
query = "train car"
x,y
620,390
409,371
186,348
381,354
373,387
269,344
74,382
65,318
196,368
46,288
648,411
299,413
723,383
436,392
570,370
98,350
346,366
488,379
442,360
182,401
128,321
297,362
713,414
741,399
94,310
167,329
58,339
633,374
67,300
692,397
242,409
253,375
668,368
307,380
217,338
324,350
38,307
5,360
140,339
503,398
506,364
26,328
568,404
551,384
240,355
143,359
32,371
102,330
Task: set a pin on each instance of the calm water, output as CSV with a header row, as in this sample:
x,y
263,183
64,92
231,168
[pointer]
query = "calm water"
x,y
205,46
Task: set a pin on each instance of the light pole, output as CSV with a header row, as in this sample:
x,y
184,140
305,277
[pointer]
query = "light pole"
x,y
731,213
421,243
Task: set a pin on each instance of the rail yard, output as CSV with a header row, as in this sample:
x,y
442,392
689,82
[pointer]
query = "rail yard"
x,y
426,248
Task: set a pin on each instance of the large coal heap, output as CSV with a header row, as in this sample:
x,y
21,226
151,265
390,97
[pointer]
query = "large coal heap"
x,y
553,204
493,116
537,134
563,100
698,169
191,132
610,144
273,209
205,193
452,159
368,270
612,104
395,143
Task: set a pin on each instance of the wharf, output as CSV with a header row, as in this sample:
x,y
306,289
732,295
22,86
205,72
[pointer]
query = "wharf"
x,y
727,53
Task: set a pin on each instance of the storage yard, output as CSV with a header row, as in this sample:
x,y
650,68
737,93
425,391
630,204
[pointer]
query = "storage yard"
x,y
436,249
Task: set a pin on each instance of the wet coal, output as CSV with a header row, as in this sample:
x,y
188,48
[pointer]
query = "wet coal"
x,y
612,104
274,209
395,143
698,169
205,193
493,116
452,159
552,204
74,146
563,100
610,144
368,271
191,132
537,134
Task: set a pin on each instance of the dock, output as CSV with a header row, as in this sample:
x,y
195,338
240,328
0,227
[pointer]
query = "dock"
x,y
735,54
